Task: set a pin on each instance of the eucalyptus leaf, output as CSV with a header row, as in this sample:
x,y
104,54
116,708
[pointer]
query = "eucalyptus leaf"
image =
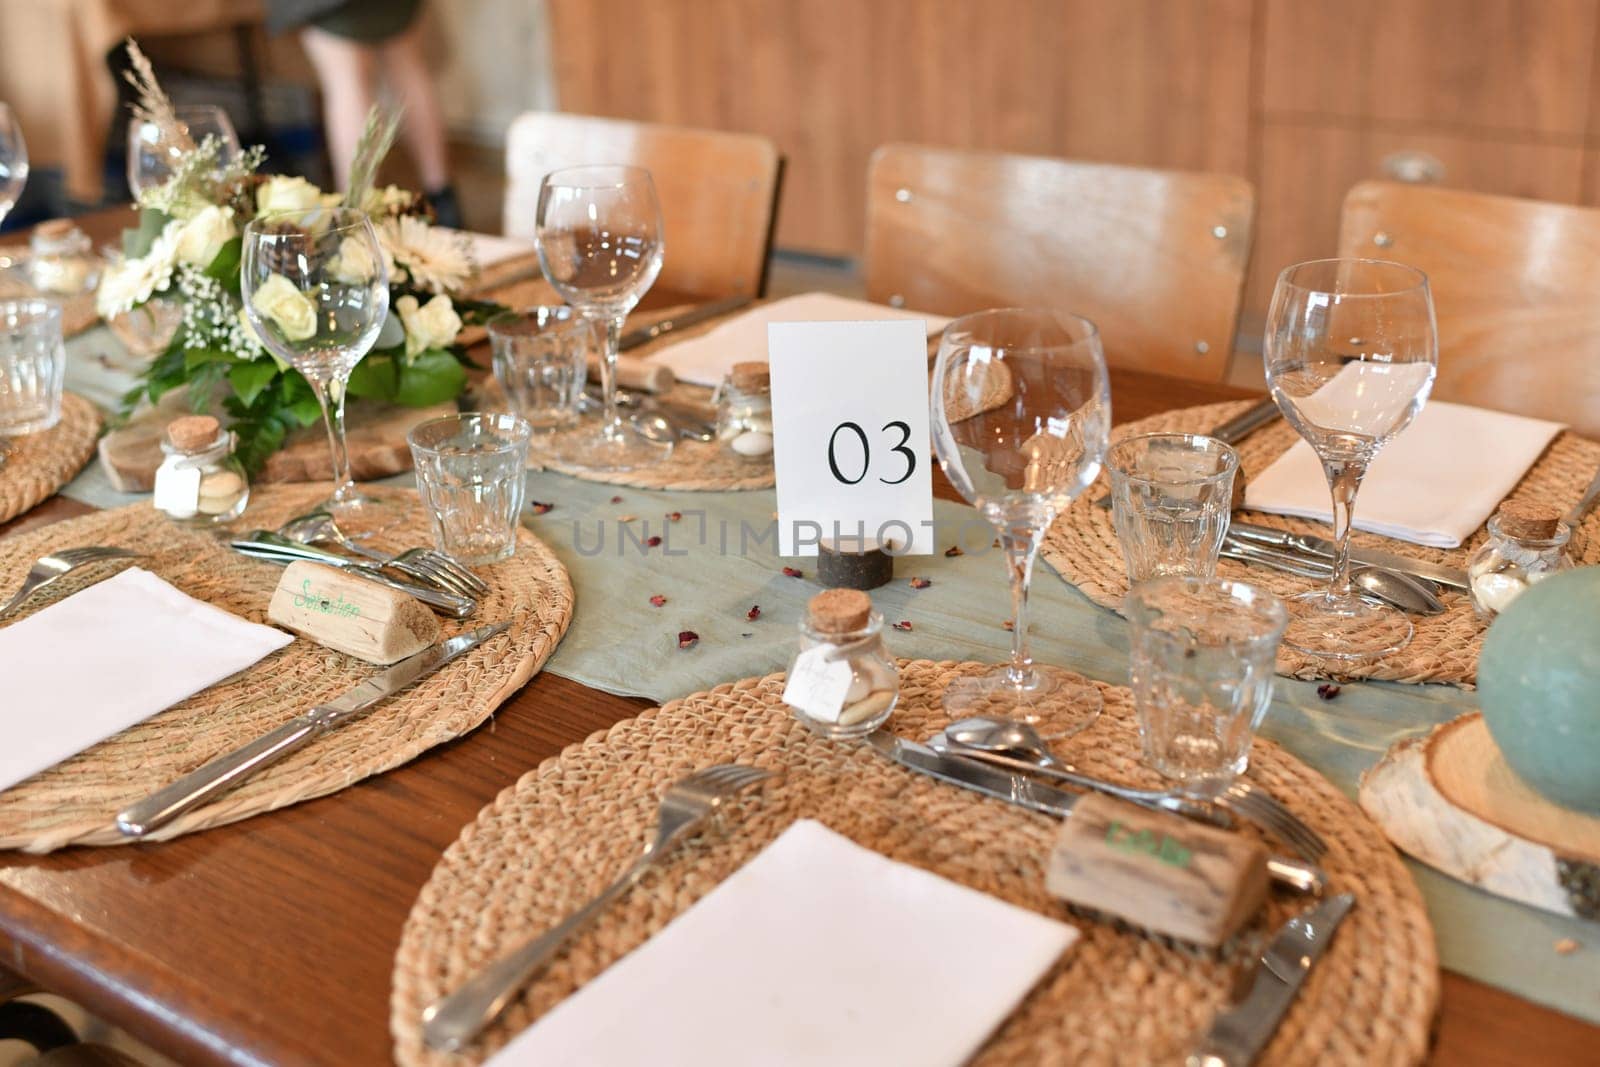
x,y
433,377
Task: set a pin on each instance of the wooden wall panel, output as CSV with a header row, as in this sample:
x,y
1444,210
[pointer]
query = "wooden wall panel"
x,y
1152,82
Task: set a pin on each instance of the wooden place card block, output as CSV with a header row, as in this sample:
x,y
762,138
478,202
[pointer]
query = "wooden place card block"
x,y
345,613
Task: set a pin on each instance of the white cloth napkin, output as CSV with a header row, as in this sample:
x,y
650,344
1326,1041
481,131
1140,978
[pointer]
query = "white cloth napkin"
x,y
1434,484
107,657
705,360
818,951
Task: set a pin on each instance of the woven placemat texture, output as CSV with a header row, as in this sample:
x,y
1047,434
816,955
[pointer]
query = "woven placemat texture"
x,y
33,467
566,829
75,801
1082,547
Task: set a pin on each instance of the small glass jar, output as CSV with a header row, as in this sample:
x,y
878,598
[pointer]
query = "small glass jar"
x,y
200,482
843,682
744,412
1526,545
61,259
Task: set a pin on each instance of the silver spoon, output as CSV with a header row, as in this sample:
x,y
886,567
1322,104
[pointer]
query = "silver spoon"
x,y
1401,590
654,427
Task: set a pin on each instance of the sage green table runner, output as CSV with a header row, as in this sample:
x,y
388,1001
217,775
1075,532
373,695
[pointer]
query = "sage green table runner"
x,y
717,561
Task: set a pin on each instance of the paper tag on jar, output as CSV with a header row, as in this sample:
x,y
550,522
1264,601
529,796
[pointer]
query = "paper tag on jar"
x,y
178,491
818,685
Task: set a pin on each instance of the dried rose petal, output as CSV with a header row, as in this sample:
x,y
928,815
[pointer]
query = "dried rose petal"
x,y
658,600
1010,625
747,635
539,507
920,583
903,624
794,572
953,551
754,613
995,543
652,542
616,500
688,638
1327,691
674,516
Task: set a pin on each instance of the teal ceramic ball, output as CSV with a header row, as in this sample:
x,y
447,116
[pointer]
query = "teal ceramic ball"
x,y
1539,686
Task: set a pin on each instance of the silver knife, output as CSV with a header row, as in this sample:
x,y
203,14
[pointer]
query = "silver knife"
x,y
1239,1033
1034,795
227,771
693,317
1373,557
1232,431
266,546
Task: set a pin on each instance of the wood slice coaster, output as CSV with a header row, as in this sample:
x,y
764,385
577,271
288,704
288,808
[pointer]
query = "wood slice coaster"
x,y
33,467
75,801
563,831
1450,800
1082,546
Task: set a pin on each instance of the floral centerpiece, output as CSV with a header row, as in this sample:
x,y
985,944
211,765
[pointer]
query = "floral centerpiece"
x,y
187,249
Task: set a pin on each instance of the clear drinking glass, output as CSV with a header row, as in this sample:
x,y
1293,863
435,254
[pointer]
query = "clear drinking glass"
x,y
316,290
13,161
1021,412
599,235
541,359
1351,351
1202,665
32,365
470,474
153,153
1171,495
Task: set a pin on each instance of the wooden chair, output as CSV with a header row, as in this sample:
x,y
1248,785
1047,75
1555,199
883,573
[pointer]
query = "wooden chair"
x,y
718,191
1516,289
1155,258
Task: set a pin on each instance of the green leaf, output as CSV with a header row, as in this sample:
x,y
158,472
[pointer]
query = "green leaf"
x,y
225,267
305,411
433,377
195,358
249,380
136,242
376,377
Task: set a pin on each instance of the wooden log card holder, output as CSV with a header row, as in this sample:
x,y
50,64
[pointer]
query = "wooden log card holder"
x,y
362,619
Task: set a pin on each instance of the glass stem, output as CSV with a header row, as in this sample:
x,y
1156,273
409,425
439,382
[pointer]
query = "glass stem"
x,y
330,395
1021,546
1344,481
608,372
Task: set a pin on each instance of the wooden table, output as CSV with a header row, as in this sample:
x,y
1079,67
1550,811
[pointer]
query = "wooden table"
x,y
272,940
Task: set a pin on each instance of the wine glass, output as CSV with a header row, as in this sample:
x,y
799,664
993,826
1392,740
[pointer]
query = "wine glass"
x,y
599,235
316,290
13,161
153,153
1021,414
1351,351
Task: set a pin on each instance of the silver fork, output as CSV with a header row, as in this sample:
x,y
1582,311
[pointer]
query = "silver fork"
x,y
452,1021
47,569
425,564
1242,798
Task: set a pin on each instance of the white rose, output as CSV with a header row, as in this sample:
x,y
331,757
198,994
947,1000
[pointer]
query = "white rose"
x,y
203,236
431,325
354,265
131,282
284,193
282,302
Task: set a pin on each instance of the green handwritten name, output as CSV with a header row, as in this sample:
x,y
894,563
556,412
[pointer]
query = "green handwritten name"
x,y
321,602
1147,843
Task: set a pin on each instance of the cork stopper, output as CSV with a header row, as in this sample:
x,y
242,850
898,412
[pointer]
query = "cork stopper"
x,y
839,611
751,377
1527,521
192,433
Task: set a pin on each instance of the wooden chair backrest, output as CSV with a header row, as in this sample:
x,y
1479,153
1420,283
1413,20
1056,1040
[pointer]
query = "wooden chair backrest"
x,y
718,191
1155,258
1516,290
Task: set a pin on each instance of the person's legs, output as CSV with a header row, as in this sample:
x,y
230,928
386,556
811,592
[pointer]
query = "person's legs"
x,y
408,77
344,68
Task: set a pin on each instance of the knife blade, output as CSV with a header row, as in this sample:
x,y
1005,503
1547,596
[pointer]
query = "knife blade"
x,y
1373,557
230,770
693,317
1239,1033
1025,792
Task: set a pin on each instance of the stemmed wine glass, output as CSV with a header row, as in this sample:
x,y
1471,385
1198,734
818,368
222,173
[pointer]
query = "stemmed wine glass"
x,y
153,153
599,235
1021,414
316,289
13,161
1351,351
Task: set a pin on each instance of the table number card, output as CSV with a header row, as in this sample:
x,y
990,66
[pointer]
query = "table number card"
x,y
850,433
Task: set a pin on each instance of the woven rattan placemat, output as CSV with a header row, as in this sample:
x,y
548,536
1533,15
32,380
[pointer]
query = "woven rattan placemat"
x,y
75,801
1082,547
33,467
567,828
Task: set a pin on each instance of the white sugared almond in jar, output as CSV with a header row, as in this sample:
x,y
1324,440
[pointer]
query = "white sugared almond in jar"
x,y
866,708
1495,591
751,443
